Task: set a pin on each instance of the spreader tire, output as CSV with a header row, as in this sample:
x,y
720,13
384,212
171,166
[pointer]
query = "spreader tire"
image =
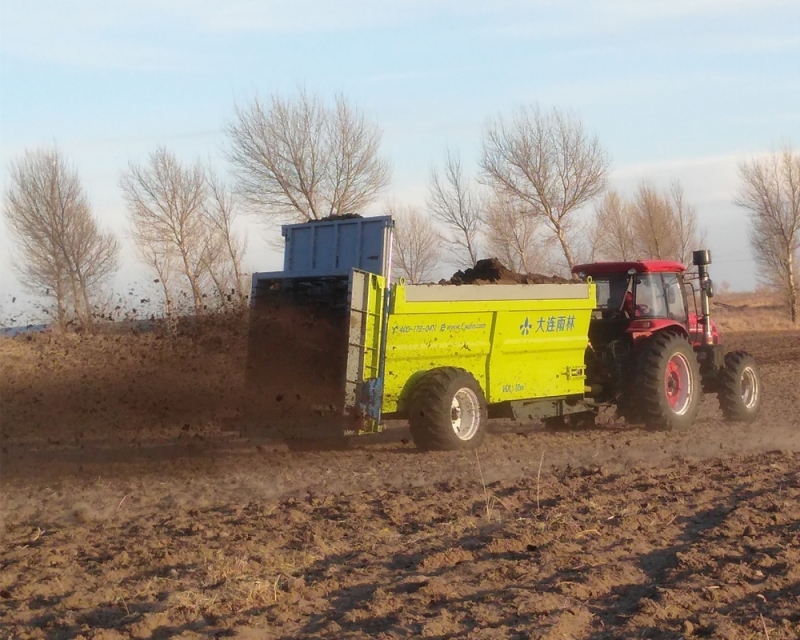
x,y
447,411
667,383
739,387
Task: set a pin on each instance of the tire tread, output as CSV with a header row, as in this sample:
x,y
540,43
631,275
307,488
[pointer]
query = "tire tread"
x,y
654,409
729,393
428,412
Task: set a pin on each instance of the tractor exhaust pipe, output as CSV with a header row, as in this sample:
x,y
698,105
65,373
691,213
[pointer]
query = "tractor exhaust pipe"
x,y
701,259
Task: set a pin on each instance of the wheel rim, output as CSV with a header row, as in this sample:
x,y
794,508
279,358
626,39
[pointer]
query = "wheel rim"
x,y
678,384
465,413
749,387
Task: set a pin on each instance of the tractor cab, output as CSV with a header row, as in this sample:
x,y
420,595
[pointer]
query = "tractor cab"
x,y
637,299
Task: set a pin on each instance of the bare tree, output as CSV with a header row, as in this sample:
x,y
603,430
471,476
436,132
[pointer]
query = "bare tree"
x,y
417,244
614,238
298,160
549,163
653,224
664,225
770,192
515,238
227,248
160,257
454,203
63,252
687,232
166,210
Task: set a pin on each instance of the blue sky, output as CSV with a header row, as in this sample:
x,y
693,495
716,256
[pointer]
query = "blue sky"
x,y
675,90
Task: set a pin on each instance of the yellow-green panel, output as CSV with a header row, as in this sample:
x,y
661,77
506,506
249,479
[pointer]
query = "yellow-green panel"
x,y
538,354
376,289
418,342
516,348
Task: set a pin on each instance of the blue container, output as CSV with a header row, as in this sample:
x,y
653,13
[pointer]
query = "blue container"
x,y
333,247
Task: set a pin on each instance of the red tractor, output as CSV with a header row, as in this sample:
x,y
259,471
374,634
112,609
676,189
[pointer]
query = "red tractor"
x,y
652,355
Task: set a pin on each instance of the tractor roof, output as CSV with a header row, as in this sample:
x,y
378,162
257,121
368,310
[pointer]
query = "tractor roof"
x,y
640,266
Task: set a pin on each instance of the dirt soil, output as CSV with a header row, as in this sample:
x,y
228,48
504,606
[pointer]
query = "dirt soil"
x,y
492,271
291,337
135,507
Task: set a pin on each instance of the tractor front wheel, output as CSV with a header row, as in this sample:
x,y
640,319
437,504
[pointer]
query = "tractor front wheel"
x,y
739,387
447,411
667,383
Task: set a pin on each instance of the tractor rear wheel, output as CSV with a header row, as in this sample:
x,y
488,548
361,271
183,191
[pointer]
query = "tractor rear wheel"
x,y
667,383
739,387
447,411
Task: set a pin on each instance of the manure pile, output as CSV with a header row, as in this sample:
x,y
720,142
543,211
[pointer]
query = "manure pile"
x,y
492,271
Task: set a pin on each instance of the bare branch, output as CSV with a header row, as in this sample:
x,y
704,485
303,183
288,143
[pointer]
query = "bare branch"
x,y
417,244
614,236
297,160
549,163
516,238
454,203
226,267
653,224
687,232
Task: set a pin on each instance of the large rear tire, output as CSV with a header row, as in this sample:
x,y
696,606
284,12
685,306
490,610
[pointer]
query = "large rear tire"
x,y
739,387
447,411
667,383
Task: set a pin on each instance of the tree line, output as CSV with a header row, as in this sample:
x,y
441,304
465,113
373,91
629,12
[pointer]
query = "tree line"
x,y
297,158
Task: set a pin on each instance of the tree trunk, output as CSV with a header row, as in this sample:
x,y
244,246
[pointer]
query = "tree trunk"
x,y
523,262
89,318
60,308
237,272
76,301
167,299
219,287
792,290
190,276
562,238
472,255
88,321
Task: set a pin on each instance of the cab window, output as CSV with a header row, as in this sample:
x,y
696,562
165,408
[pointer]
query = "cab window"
x,y
649,296
676,306
611,292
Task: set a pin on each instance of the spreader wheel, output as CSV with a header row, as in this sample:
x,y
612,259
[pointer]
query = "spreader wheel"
x,y
447,410
739,387
668,383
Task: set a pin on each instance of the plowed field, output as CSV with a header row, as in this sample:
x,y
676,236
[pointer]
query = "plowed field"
x,y
134,506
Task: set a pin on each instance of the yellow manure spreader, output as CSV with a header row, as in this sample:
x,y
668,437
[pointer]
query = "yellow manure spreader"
x,y
336,348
